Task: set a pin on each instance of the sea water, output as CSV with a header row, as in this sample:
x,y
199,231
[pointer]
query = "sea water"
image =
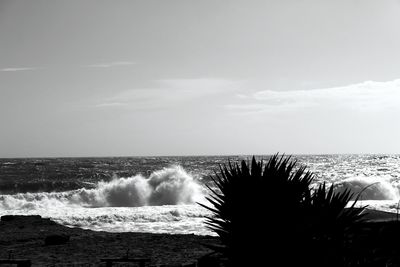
x,y
161,194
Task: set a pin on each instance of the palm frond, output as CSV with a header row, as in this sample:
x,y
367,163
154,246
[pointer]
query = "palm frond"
x,y
257,200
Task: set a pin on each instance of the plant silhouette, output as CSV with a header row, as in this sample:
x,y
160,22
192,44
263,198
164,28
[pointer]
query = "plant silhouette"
x,y
268,215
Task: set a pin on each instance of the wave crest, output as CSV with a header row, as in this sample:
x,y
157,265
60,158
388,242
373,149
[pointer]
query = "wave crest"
x,y
371,188
169,186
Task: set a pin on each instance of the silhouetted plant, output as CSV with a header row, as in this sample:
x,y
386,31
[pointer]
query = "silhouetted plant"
x,y
268,213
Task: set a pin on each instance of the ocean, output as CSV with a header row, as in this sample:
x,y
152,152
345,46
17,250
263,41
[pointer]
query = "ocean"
x,y
160,194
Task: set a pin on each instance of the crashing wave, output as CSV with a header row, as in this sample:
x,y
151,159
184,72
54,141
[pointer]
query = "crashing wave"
x,y
370,188
169,186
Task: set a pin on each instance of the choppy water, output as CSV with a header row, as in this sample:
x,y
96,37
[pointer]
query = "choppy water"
x,y
159,194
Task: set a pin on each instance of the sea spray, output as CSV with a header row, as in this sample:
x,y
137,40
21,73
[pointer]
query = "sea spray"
x,y
370,188
169,186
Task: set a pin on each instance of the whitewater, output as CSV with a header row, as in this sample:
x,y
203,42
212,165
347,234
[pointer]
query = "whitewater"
x,y
161,195
166,201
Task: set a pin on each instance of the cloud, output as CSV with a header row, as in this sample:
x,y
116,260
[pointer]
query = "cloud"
x,y
199,85
166,93
363,97
99,65
17,69
111,64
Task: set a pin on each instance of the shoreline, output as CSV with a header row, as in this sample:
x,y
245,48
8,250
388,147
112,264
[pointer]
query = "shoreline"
x,y
372,215
25,236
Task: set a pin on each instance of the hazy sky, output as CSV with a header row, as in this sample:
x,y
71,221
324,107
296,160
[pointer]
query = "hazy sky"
x,y
113,78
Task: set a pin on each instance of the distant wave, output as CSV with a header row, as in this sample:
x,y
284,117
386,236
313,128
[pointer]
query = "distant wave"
x,y
169,186
41,186
371,188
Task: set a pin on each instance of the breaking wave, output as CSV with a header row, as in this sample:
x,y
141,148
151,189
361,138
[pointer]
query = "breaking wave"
x,y
371,188
169,186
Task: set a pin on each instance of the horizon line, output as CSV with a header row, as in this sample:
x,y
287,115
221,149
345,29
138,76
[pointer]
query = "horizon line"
x,y
200,155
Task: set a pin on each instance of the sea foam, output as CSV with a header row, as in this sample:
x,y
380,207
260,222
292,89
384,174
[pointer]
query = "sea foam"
x,y
370,188
169,186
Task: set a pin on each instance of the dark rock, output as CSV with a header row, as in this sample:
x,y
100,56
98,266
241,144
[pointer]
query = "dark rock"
x,y
209,260
7,218
56,239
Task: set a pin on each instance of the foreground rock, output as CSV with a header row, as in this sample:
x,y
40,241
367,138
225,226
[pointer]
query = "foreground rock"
x,y
47,243
52,240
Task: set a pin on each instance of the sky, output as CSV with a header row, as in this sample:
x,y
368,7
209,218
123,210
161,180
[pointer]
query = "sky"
x,y
182,77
